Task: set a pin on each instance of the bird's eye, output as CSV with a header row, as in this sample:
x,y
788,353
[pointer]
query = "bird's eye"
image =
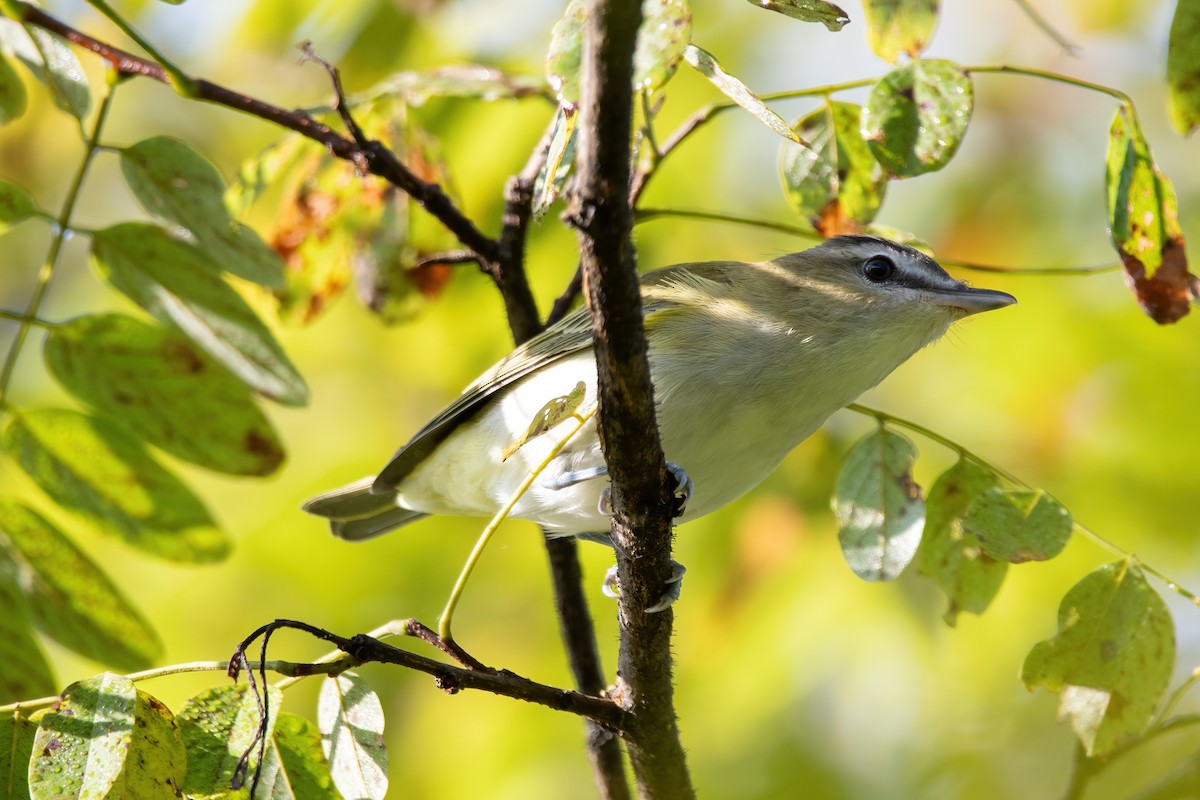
x,y
879,269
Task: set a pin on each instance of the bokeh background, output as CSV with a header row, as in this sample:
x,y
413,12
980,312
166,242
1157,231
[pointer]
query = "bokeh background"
x,y
794,677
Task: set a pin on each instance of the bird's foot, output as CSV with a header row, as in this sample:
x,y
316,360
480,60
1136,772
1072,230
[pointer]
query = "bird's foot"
x,y
679,497
671,590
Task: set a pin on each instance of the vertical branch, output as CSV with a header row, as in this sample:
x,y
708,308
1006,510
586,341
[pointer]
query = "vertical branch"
x,y
571,605
628,432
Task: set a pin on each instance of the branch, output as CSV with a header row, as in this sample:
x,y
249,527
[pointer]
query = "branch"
x,y
570,601
374,157
363,649
641,494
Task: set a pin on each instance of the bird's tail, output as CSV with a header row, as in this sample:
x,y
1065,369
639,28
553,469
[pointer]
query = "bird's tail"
x,y
356,513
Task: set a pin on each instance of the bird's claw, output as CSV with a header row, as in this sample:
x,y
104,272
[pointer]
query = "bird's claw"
x,y
674,584
679,497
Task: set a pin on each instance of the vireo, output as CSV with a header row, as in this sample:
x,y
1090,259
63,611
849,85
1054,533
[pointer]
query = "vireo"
x,y
747,361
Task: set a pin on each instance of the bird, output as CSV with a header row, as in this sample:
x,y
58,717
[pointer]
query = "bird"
x,y
747,360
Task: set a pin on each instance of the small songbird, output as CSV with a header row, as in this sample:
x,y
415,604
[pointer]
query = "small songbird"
x,y
747,361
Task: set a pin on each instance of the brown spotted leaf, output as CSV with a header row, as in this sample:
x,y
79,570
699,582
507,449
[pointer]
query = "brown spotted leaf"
x,y
1144,226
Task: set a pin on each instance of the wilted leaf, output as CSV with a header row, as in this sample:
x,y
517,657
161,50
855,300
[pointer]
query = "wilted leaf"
x,y
735,90
333,222
949,556
70,599
351,721
879,507
834,181
217,726
827,14
83,741
917,116
164,390
899,27
460,80
1183,67
12,92
1111,658
15,205
665,31
16,748
1017,525
55,65
24,672
179,186
1144,225
178,285
553,174
556,410
99,472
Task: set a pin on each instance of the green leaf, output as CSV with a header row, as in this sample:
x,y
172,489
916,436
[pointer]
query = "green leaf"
x,y
176,184
735,90
82,742
16,748
878,506
70,599
917,116
665,31
12,92
175,283
301,769
217,726
351,721
553,174
1183,67
24,672
949,556
1018,525
157,760
101,473
15,205
1143,223
56,66
1111,658
899,27
827,14
461,80
834,182
165,391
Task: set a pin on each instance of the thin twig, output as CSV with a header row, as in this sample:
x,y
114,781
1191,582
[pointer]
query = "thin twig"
x,y
363,649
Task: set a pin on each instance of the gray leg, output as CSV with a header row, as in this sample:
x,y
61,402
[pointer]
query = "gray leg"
x,y
569,479
683,491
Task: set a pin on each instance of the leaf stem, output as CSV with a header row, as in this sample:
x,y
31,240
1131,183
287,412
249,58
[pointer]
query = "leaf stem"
x,y
17,316
650,214
581,419
61,232
1057,77
180,82
1045,27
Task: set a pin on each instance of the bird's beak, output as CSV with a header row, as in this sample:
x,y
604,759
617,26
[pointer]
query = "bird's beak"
x,y
973,301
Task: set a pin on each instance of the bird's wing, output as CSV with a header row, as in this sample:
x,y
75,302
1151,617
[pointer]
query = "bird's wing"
x,y
569,336
572,334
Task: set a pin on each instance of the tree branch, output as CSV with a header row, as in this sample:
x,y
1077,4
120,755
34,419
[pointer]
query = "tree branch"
x,y
571,605
376,158
641,493
363,649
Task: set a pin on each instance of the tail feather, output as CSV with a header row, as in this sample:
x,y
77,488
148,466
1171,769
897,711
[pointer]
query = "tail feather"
x,y
356,513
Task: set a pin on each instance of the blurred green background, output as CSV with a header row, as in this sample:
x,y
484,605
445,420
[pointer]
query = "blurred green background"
x,y
794,677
